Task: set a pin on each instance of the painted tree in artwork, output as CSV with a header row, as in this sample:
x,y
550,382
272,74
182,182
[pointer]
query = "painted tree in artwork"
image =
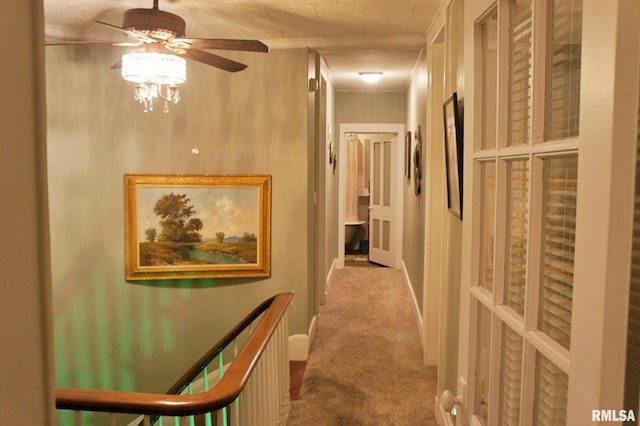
x,y
151,234
176,222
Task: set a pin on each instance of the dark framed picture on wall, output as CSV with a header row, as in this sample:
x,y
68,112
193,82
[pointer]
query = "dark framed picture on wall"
x,y
453,149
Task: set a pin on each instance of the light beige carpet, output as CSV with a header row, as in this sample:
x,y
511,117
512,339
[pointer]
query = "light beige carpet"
x,y
365,367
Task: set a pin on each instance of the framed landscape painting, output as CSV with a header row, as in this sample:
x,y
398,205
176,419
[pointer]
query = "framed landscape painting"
x,y
188,226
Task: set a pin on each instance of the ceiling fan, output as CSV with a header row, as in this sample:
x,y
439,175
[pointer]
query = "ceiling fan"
x,y
156,30
157,68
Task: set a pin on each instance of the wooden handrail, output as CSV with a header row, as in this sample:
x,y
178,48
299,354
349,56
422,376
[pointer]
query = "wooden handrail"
x,y
224,393
197,368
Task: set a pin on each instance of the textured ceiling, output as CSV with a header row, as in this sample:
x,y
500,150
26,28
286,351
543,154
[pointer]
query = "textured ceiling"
x,y
352,35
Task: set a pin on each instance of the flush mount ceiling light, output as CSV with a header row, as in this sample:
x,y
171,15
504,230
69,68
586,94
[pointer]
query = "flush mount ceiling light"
x,y
154,75
371,76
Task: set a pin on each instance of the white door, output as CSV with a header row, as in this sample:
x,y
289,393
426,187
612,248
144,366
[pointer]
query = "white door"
x,y
549,153
381,210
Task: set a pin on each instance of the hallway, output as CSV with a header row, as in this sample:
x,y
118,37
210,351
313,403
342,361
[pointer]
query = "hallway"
x,y
365,367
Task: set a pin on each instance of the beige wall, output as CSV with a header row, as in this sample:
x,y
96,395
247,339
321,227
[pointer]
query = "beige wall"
x,y
332,135
450,290
414,206
26,357
119,335
369,107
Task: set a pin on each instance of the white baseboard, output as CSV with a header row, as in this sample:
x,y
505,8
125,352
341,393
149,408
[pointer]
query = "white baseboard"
x,y
300,344
298,347
332,269
416,307
313,328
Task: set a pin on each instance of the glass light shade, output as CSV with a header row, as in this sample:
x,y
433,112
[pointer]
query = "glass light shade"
x,y
371,77
154,75
154,67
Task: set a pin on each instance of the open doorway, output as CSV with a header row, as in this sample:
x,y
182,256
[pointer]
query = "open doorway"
x,y
369,202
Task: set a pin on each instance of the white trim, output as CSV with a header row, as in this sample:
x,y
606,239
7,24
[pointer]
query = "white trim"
x,y
330,44
300,344
606,170
313,328
416,308
397,189
329,280
298,347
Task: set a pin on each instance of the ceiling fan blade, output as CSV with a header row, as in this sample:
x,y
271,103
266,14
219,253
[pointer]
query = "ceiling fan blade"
x,y
222,44
214,60
134,34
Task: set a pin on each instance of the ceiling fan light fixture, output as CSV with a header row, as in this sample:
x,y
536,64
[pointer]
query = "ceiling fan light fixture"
x,y
154,75
371,76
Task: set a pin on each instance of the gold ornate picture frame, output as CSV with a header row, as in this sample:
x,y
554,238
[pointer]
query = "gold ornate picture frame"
x,y
197,226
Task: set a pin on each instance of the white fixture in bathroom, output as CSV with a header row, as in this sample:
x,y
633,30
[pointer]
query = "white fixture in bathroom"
x,y
352,233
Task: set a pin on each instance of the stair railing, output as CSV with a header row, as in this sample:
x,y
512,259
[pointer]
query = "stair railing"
x,y
251,389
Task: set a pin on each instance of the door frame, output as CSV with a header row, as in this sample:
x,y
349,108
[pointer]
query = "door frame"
x,y
396,193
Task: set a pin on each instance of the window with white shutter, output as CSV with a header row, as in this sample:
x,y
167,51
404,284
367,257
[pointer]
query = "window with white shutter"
x,y
550,407
559,226
489,68
525,207
563,69
520,72
510,377
488,183
517,226
483,347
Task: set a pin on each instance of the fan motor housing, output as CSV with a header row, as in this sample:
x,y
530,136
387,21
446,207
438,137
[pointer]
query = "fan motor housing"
x,y
154,20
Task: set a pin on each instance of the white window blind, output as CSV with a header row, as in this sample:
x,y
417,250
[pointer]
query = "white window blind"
x,y
632,379
520,72
550,405
559,219
487,230
510,377
563,69
518,217
489,31
483,349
